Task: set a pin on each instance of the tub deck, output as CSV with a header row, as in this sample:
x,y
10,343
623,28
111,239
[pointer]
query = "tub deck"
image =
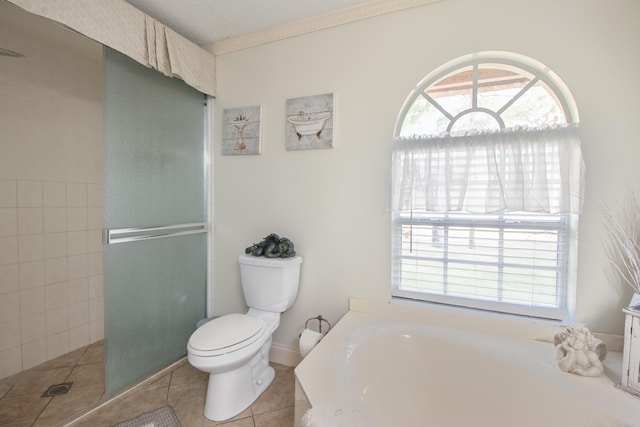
x,y
489,371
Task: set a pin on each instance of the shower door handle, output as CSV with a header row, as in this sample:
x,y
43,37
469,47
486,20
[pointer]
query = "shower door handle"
x,y
135,234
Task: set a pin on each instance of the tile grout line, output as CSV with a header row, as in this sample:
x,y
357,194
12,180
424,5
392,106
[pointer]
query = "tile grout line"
x,y
65,380
147,381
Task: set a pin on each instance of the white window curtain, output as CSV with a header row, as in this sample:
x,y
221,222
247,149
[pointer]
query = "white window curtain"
x,y
521,169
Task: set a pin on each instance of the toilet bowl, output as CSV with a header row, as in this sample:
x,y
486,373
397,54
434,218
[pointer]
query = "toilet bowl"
x,y
234,348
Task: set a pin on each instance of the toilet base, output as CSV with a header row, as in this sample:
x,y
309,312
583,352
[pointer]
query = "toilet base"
x,y
230,393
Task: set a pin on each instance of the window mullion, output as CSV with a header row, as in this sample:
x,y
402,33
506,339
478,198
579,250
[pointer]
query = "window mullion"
x,y
518,95
474,95
437,105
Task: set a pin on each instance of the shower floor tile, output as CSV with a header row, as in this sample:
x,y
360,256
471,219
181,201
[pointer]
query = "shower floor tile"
x,y
21,401
183,388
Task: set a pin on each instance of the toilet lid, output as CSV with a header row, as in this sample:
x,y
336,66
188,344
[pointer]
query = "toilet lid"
x,y
226,334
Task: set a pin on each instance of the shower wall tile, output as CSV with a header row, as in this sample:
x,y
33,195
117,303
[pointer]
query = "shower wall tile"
x,y
8,250
77,195
77,266
78,290
52,175
55,220
57,345
30,247
55,194
31,274
55,245
57,320
34,353
96,287
55,270
76,219
9,278
10,362
51,270
9,306
96,309
8,221
77,242
30,194
30,221
79,337
33,328
94,241
9,334
96,330
95,195
56,295
95,218
32,301
95,264
79,314
8,193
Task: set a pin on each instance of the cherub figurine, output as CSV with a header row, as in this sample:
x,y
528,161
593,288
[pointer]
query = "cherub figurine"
x,y
578,352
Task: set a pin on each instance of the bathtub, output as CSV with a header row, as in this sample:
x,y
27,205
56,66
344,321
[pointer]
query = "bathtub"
x,y
380,368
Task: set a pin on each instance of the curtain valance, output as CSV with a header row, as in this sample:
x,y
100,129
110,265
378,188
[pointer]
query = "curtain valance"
x,y
117,24
530,170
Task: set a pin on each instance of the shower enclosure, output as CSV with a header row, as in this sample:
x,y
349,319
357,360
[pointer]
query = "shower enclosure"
x,y
155,219
94,143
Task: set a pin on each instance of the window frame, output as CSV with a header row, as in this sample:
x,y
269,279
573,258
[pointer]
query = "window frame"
x,y
567,223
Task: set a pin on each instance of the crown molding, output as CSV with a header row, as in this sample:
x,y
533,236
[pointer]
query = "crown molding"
x,y
328,20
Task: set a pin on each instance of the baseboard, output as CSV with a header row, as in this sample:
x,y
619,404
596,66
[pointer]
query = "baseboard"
x,y
284,355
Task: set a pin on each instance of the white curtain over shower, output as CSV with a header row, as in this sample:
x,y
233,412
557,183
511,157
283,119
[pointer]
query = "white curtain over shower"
x,y
117,24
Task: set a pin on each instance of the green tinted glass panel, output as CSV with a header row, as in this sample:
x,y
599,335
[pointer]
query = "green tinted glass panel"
x,y
154,176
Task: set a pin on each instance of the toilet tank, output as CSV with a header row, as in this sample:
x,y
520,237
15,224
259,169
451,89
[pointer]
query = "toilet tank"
x,y
270,284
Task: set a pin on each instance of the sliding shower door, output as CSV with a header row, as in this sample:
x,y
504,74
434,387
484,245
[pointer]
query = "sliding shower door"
x,y
155,219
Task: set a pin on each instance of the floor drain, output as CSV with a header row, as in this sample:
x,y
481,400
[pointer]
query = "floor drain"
x,y
57,389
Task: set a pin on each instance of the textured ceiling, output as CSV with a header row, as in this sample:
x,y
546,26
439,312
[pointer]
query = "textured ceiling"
x,y
208,21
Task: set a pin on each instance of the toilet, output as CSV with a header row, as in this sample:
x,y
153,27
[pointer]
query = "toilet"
x,y
234,349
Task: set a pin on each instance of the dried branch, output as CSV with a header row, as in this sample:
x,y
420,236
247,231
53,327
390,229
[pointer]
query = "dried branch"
x,y
624,230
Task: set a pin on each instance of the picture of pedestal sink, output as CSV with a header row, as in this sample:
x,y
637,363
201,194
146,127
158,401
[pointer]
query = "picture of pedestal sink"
x,y
240,123
241,130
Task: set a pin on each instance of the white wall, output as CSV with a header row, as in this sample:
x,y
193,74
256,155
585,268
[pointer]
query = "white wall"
x,y
332,203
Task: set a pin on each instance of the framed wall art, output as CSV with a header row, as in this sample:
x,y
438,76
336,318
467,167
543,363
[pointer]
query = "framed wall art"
x,y
309,122
242,130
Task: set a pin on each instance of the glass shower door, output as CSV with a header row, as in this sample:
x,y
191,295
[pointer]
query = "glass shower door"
x,y
155,219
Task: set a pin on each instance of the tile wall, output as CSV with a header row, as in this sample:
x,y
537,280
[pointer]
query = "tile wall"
x,y
50,270
51,177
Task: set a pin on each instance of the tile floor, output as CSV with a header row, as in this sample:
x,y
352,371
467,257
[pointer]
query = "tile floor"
x,y
183,388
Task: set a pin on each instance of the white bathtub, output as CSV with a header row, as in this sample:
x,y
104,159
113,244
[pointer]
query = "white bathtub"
x,y
379,370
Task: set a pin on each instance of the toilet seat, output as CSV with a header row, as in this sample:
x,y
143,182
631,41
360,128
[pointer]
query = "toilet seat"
x,y
225,334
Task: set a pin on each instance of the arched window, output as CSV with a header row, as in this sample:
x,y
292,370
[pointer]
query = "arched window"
x,y
487,188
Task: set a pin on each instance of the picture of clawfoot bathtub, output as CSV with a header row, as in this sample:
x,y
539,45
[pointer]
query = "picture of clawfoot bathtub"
x,y
310,122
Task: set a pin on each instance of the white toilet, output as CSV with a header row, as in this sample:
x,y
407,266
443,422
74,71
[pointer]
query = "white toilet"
x,y
234,348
